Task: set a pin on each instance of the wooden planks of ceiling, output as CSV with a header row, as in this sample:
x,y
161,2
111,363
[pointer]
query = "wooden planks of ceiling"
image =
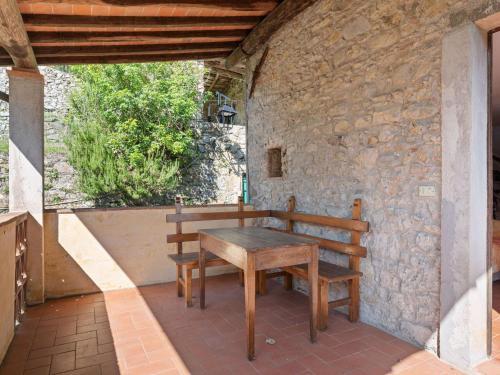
x,y
51,32
111,31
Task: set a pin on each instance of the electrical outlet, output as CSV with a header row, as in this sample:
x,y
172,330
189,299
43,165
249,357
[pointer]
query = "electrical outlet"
x,y
427,191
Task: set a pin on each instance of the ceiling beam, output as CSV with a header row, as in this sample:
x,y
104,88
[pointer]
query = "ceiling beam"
x,y
124,50
226,73
55,20
282,14
13,37
214,82
70,37
120,59
238,5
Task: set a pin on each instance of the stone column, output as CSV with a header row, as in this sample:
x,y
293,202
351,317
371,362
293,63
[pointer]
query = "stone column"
x,y
464,210
26,178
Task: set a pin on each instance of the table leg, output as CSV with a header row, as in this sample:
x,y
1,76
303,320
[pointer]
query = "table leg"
x,y
312,271
250,306
202,261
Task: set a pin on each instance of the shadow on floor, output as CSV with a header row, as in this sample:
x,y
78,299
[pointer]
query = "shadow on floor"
x,y
149,331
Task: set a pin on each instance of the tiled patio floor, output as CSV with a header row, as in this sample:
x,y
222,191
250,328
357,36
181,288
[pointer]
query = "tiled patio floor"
x,y
148,331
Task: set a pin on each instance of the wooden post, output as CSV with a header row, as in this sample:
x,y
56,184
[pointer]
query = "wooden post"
x,y
178,230
288,277
250,305
323,305
202,264
241,224
187,276
354,265
312,271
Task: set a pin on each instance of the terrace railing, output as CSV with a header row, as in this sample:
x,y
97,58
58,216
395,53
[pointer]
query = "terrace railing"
x,y
21,268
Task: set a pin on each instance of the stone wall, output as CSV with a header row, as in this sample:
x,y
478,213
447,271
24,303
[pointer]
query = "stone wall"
x,y
351,92
215,177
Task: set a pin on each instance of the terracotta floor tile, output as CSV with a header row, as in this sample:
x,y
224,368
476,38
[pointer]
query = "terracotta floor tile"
x,y
93,370
95,360
75,338
110,368
53,350
44,340
39,362
11,369
63,362
66,329
85,348
148,331
38,371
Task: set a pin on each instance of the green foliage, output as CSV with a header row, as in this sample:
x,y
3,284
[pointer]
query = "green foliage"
x,y
4,146
130,133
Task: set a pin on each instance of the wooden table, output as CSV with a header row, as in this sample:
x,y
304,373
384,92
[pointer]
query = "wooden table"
x,y
254,249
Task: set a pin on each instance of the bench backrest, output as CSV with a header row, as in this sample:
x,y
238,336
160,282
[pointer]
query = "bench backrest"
x,y
354,225
178,218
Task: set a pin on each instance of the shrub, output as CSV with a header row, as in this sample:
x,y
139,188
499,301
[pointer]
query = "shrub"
x,y
130,133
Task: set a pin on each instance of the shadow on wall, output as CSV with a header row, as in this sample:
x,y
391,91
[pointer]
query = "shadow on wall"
x,y
93,250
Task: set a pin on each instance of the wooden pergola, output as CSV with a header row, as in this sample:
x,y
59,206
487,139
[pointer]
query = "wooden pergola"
x,y
50,32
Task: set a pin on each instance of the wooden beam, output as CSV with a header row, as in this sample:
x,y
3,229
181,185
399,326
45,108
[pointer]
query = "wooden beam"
x,y
335,222
61,38
239,5
222,64
4,96
226,73
205,216
120,59
13,37
282,14
214,82
342,247
256,73
56,20
125,50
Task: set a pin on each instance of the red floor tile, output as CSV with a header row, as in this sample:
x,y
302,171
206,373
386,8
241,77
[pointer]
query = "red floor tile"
x,y
149,331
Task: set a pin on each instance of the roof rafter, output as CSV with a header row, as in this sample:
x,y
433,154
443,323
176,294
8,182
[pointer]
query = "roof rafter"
x,y
240,5
121,59
13,36
130,36
56,20
282,14
149,49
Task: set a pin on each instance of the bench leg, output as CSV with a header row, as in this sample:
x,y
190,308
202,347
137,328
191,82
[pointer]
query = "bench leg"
x,y
323,306
187,275
354,295
288,281
262,278
178,281
240,277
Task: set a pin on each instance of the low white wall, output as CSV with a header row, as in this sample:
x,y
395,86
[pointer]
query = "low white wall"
x,y
92,250
7,275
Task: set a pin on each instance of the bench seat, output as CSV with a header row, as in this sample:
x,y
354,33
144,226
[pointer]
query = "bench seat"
x,y
327,272
186,263
191,259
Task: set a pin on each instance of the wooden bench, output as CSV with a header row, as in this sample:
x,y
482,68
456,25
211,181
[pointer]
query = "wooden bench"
x,y
331,273
187,262
328,273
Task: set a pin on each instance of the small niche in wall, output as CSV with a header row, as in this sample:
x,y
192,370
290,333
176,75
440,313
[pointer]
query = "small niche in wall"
x,y
274,165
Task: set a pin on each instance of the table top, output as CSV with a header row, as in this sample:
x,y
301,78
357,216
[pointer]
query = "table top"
x,y
254,239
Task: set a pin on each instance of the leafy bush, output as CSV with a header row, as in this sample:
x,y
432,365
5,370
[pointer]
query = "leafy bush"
x,y
130,133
